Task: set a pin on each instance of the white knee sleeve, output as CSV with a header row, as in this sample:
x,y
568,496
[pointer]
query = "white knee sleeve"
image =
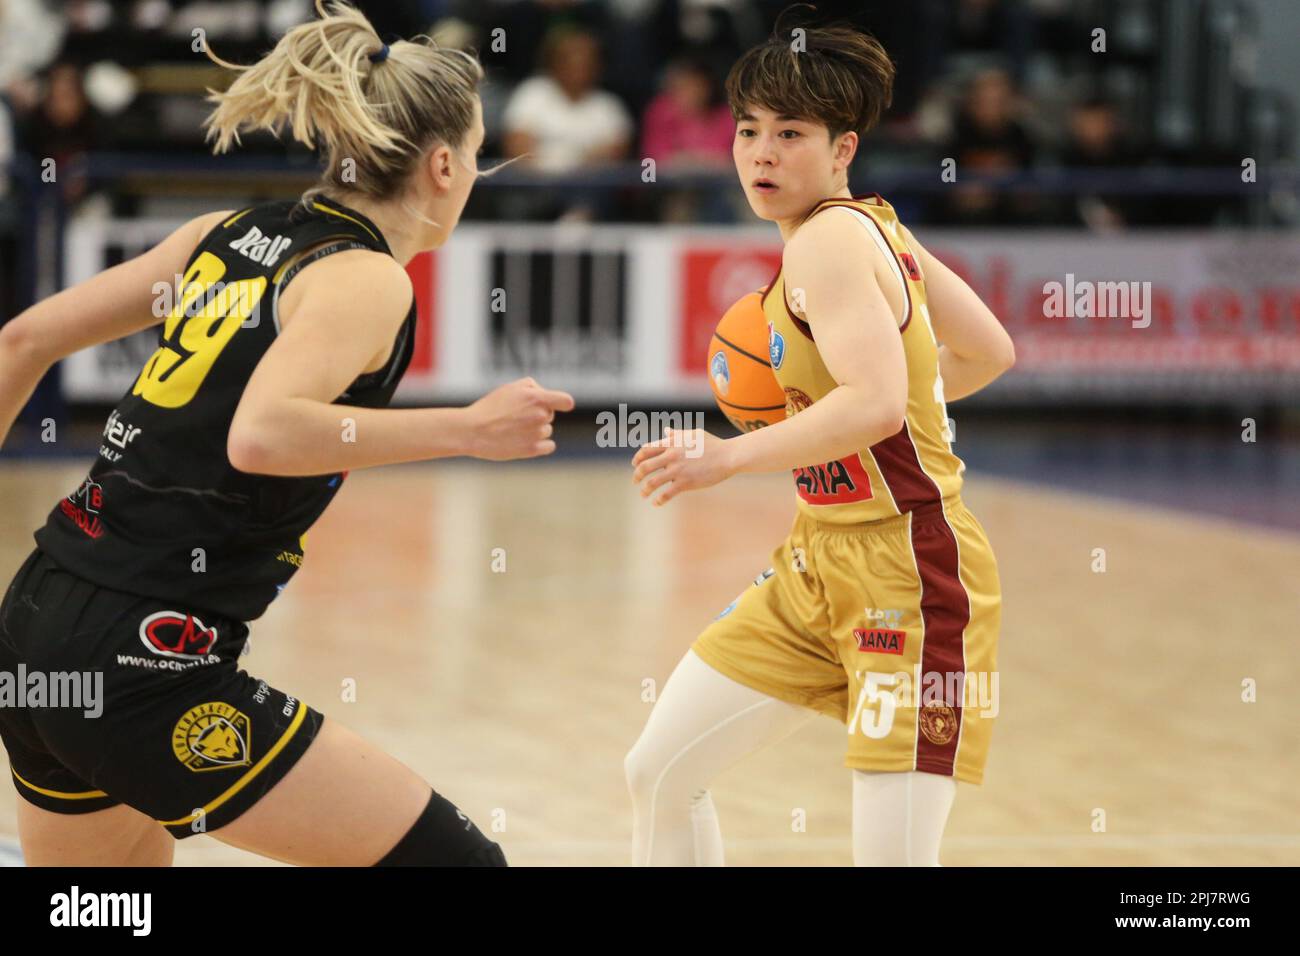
x,y
702,723
898,818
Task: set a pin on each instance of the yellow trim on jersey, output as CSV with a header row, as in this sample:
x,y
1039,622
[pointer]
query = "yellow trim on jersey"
x,y
303,253
247,778
343,215
279,273
87,795
236,217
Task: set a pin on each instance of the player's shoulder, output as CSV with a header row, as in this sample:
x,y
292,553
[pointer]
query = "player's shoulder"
x,y
827,234
197,229
357,276
372,269
210,221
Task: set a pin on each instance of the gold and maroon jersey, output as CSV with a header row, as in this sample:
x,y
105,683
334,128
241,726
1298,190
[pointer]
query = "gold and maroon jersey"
x,y
914,467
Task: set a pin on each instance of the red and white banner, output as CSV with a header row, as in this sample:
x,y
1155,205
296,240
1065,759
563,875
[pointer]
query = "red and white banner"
x,y
1209,301
624,314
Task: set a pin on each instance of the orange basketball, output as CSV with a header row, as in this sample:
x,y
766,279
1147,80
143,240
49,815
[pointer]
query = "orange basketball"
x,y
740,374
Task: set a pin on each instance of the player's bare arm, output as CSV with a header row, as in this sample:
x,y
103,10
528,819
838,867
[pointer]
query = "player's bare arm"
x,y
858,339
974,348
113,304
287,425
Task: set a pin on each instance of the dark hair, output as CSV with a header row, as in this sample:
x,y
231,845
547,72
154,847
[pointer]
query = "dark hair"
x,y
557,36
699,64
832,74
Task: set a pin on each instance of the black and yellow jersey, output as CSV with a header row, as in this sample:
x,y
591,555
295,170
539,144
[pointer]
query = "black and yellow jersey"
x,y
162,512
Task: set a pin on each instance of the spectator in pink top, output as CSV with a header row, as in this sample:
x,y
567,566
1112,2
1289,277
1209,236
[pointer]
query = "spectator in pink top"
x,y
688,128
689,124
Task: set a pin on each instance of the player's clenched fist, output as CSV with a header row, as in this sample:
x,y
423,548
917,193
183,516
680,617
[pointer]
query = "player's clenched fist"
x,y
514,421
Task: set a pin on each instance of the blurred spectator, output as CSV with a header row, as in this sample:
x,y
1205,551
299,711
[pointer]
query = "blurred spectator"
x,y
989,137
1097,140
63,128
560,119
999,28
688,124
516,29
6,148
559,122
31,33
688,128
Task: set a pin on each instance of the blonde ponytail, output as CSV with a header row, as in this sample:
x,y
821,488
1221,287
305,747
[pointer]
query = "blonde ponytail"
x,y
333,85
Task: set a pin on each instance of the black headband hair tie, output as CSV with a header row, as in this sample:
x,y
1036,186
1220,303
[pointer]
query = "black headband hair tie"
x,y
381,56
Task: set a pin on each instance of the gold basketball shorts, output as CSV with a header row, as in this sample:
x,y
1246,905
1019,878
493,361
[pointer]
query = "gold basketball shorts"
x,y
890,626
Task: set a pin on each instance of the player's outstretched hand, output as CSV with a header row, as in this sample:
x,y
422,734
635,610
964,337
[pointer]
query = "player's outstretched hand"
x,y
682,460
514,421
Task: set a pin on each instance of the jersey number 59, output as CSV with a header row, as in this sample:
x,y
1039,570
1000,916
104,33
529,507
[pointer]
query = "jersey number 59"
x,y
203,322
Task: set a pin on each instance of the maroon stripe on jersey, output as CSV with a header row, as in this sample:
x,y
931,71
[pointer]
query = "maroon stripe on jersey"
x,y
900,466
799,323
945,606
762,298
945,612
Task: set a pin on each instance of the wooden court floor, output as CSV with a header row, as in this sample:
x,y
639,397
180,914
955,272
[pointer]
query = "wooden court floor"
x,y
517,693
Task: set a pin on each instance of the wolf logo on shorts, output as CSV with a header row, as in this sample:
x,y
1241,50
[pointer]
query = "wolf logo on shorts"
x,y
212,736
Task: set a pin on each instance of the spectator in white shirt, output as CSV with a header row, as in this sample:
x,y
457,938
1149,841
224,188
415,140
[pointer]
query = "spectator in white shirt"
x,y
31,34
560,120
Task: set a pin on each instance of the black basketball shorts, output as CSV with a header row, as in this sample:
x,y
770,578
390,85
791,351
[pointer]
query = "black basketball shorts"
x,y
108,698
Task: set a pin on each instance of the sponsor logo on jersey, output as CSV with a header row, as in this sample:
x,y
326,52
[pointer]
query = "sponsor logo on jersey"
x,y
883,634
834,483
118,434
263,694
261,248
295,558
796,401
909,264
938,723
721,372
213,736
178,635
82,507
888,618
879,640
775,346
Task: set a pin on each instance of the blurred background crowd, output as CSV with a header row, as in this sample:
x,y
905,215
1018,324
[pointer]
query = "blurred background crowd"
x,y
591,88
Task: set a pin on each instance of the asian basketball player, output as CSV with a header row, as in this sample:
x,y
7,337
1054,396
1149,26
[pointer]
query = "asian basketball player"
x,y
291,316
885,595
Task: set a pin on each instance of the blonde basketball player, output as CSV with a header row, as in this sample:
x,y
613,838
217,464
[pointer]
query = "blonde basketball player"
x,y
885,595
295,324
